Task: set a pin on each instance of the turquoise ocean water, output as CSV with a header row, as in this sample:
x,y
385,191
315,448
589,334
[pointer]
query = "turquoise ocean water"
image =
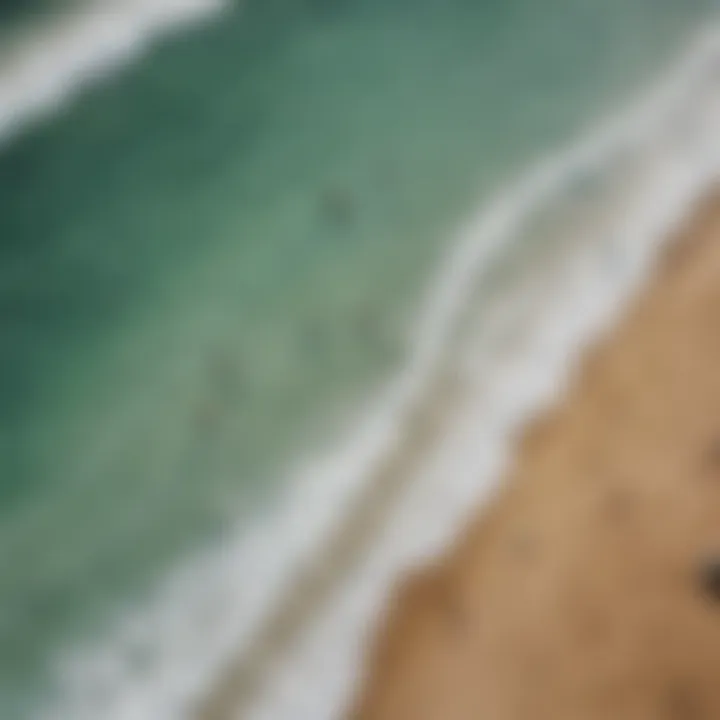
x,y
213,254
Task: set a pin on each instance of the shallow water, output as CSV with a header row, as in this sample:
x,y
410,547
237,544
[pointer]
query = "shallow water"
x,y
211,256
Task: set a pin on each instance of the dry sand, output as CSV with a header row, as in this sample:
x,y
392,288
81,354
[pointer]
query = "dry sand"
x,y
590,586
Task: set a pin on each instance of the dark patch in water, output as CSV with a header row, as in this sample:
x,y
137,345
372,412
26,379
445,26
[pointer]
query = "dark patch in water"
x,y
370,330
338,206
225,374
325,9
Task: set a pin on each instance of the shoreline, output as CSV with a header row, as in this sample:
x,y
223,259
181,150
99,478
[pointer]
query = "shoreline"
x,y
581,590
500,219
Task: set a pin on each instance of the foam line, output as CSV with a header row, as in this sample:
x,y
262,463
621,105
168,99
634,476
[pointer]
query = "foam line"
x,y
208,614
58,57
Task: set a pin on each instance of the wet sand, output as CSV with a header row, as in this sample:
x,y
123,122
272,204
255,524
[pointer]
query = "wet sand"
x,y
590,586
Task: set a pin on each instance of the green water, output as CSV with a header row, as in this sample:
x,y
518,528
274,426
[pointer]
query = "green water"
x,y
213,254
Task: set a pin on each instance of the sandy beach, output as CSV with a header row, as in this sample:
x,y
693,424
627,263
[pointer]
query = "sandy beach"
x,y
590,586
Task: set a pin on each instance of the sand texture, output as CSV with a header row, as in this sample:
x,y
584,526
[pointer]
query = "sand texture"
x,y
589,587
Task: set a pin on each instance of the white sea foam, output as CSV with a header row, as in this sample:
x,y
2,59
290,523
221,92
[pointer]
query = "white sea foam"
x,y
207,613
59,55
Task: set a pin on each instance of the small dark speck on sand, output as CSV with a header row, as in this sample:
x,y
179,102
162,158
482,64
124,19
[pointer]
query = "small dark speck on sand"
x,y
682,704
523,546
709,579
712,455
451,611
617,505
